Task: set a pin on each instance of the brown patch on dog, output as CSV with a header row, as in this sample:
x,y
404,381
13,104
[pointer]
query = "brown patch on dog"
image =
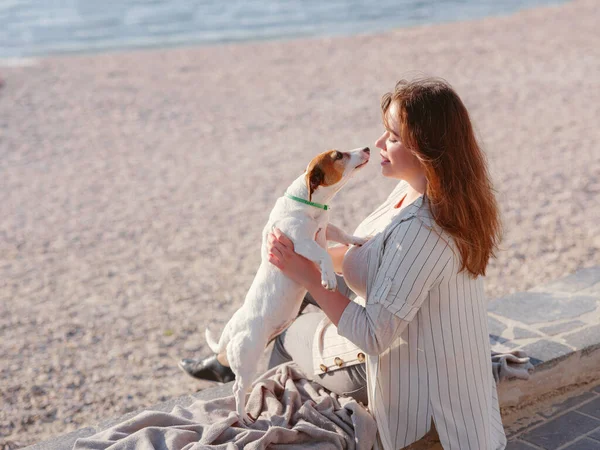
x,y
325,169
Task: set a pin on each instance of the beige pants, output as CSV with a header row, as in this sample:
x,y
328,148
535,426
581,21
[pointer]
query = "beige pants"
x,y
295,344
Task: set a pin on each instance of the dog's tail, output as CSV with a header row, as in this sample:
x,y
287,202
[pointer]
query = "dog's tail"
x,y
211,340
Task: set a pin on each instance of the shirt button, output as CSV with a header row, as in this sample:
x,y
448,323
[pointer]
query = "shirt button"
x,y
361,357
323,367
338,362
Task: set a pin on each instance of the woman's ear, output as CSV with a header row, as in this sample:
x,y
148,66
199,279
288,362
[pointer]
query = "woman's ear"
x,y
314,178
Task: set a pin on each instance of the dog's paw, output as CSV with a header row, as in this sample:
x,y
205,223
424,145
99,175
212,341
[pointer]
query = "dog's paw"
x,y
329,281
355,240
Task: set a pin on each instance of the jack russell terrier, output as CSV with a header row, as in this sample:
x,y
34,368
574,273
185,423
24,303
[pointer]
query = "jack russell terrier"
x,y
274,300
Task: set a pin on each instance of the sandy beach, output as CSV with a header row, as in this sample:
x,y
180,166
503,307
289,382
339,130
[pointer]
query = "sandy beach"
x,y
134,186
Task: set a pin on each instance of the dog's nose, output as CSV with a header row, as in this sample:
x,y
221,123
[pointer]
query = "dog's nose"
x,y
367,150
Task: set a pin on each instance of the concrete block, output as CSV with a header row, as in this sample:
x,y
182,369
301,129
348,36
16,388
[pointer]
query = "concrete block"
x,y
584,338
553,330
560,431
519,445
592,408
584,444
500,344
522,333
595,435
522,424
573,369
495,327
569,403
545,350
539,307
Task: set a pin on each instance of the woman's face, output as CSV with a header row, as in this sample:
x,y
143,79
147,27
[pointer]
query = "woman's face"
x,y
397,161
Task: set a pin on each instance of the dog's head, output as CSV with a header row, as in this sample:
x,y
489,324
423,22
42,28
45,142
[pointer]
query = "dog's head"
x,y
331,169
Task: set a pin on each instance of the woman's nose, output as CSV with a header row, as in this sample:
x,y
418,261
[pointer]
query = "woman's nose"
x,y
380,143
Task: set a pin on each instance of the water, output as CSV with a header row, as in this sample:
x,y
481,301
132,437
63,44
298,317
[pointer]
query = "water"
x,y
43,27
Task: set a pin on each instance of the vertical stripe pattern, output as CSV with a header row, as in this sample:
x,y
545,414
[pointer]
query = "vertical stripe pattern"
x,y
438,367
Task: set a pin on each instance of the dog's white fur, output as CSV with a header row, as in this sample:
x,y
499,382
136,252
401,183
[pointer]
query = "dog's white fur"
x,y
274,300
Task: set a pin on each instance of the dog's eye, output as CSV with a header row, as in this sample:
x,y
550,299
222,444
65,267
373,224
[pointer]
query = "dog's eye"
x,y
337,155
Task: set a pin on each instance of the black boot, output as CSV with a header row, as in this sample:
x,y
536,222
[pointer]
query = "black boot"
x,y
207,369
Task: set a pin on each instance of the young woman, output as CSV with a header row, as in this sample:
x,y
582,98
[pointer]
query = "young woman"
x,y
413,343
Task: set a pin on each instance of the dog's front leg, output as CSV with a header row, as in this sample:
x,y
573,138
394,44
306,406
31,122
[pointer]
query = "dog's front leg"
x,y
336,234
317,254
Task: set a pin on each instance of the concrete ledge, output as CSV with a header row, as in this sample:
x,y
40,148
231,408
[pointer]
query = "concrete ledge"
x,y
557,325
576,368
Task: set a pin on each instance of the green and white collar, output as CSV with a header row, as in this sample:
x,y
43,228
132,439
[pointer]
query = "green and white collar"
x,y
306,202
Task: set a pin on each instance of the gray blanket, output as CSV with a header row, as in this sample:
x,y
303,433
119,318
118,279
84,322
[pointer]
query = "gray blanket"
x,y
509,365
292,413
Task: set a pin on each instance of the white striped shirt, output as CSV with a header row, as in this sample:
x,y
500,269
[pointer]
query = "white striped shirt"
x,y
424,330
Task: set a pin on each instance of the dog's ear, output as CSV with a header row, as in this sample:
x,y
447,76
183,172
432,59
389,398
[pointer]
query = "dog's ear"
x,y
314,178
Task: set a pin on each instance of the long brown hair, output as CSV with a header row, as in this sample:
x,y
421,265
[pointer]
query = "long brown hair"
x,y
435,126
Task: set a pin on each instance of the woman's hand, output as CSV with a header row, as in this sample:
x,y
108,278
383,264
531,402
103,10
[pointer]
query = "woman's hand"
x,y
282,255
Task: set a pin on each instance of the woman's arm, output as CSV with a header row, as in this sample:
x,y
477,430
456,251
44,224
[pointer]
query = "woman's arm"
x,y
333,303
305,272
413,260
372,329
